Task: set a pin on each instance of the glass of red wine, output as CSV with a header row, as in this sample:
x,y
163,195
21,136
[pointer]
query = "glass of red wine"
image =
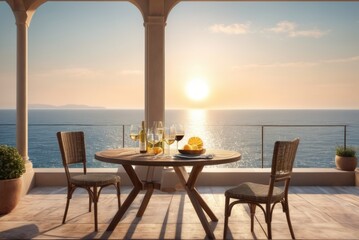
x,y
179,133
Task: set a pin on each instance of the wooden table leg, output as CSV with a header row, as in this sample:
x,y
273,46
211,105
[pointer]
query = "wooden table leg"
x,y
137,187
205,206
188,182
150,186
145,200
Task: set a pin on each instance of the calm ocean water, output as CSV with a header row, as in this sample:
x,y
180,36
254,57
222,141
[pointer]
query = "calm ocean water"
x,y
238,130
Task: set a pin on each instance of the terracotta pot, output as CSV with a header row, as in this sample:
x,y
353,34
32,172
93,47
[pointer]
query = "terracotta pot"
x,y
346,163
10,191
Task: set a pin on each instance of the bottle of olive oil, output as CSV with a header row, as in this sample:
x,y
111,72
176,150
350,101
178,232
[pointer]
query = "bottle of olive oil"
x,y
143,138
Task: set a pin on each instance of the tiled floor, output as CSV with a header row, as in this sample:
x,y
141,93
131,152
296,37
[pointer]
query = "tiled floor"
x,y
316,213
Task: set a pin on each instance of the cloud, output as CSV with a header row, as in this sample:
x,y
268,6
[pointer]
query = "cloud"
x,y
131,72
343,60
290,28
71,72
77,72
232,29
308,33
277,65
87,73
299,64
284,26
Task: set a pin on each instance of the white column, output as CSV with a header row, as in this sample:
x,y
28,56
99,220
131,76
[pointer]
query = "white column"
x,y
23,19
155,68
22,85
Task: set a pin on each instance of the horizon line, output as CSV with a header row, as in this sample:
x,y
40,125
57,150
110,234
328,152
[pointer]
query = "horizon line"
x,y
105,108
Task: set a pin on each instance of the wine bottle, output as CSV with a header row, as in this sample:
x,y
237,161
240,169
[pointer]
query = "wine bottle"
x,y
143,138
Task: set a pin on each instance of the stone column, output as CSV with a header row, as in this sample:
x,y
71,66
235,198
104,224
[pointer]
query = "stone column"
x,y
22,23
22,85
155,68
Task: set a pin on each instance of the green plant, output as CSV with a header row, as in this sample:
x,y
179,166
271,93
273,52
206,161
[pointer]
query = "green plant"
x,y
345,151
11,163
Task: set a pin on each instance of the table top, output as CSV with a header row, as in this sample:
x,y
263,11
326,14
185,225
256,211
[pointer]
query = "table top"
x,y
132,156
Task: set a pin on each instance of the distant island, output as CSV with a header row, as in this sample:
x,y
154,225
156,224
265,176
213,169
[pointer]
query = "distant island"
x,y
67,106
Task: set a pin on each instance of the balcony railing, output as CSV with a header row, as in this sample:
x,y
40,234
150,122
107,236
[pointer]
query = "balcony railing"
x,y
255,142
193,130
301,126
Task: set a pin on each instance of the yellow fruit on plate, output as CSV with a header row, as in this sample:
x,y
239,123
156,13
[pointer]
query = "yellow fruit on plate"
x,y
157,150
187,147
194,147
196,141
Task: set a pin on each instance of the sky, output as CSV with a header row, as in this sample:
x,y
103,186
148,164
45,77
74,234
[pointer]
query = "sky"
x,y
229,55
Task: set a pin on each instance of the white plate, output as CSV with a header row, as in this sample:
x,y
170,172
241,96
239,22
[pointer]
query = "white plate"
x,y
202,156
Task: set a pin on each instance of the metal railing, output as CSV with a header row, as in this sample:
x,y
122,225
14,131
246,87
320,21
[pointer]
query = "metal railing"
x,y
263,127
296,126
261,140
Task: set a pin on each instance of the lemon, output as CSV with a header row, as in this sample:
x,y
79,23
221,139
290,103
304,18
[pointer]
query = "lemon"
x,y
157,150
194,147
150,150
196,141
187,147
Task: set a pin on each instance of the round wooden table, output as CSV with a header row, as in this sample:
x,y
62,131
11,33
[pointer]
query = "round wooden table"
x,y
129,157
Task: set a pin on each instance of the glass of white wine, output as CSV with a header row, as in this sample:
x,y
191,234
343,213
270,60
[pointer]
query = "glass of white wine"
x,y
169,135
157,128
153,137
134,131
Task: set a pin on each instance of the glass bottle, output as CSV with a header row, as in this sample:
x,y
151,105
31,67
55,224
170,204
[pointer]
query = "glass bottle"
x,y
143,138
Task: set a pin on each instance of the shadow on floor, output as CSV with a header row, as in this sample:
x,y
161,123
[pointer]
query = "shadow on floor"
x,y
27,231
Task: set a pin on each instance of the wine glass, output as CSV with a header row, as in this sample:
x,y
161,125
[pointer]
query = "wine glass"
x,y
153,137
158,126
169,137
179,132
134,132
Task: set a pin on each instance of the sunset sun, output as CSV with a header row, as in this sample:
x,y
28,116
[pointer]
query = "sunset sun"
x,y
197,89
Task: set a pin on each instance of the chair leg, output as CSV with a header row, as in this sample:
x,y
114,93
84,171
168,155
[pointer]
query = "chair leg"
x,y
226,215
269,229
95,200
286,210
118,194
90,198
269,221
252,208
70,191
66,209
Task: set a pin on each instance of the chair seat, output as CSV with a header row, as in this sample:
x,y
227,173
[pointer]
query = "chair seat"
x,y
94,179
254,192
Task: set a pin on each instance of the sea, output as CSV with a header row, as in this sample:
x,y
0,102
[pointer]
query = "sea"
x,y
250,132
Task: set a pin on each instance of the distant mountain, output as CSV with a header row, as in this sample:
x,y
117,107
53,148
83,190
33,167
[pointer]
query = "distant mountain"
x,y
67,106
40,106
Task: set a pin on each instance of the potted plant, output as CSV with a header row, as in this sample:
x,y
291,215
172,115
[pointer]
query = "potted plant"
x,y
12,167
345,158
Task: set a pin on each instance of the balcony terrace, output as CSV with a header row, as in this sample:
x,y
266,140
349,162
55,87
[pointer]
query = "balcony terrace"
x,y
320,198
317,212
326,211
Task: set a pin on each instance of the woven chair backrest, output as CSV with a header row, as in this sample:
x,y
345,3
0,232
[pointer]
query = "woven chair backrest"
x,y
72,147
283,159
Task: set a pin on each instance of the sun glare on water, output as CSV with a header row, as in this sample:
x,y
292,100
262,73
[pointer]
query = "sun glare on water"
x,y
197,89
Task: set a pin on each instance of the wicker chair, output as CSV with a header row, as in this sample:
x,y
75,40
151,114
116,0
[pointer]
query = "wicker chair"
x,y
255,194
72,147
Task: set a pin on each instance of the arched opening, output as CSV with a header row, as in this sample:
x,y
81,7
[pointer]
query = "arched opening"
x,y
93,52
81,55
264,55
7,57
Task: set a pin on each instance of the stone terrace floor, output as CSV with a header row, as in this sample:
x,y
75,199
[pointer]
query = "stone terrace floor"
x,y
316,213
